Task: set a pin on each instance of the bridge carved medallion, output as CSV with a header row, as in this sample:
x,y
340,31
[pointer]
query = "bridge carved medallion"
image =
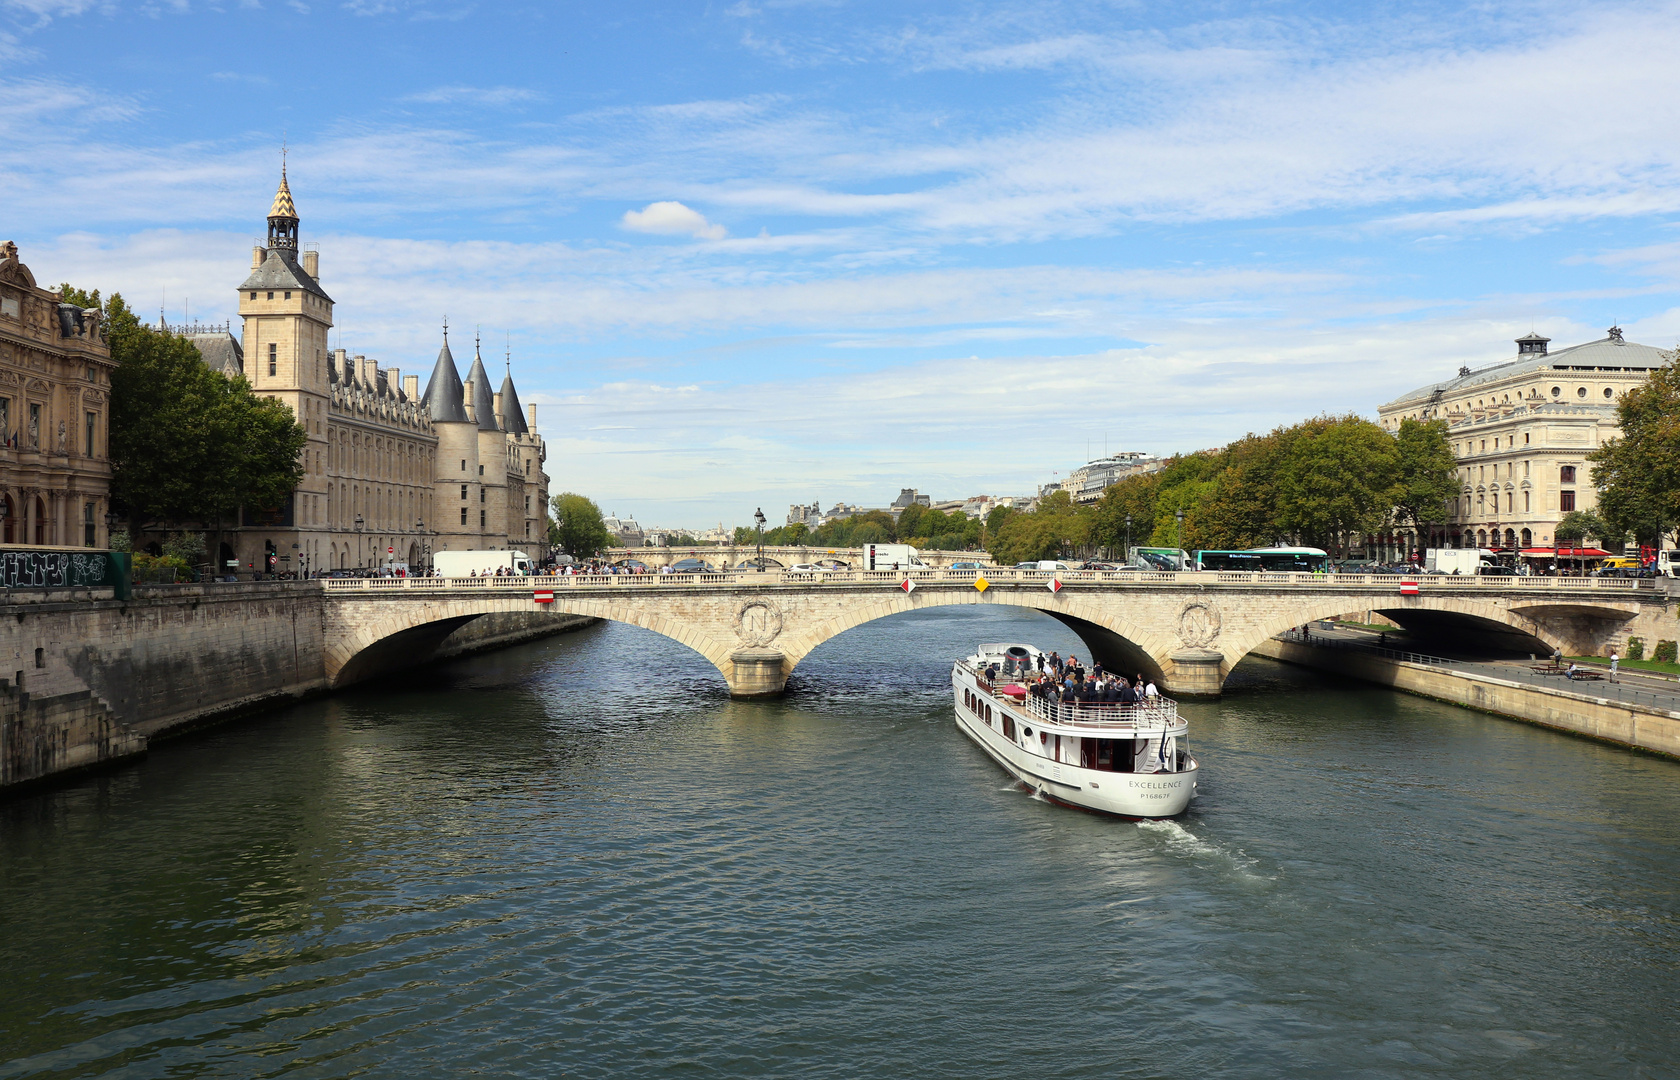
x,y
1198,625
758,621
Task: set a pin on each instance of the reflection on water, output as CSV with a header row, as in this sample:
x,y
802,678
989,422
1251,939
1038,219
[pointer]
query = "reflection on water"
x,y
580,857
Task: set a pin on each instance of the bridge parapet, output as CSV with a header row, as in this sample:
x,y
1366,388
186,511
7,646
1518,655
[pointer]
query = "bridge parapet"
x,y
1184,629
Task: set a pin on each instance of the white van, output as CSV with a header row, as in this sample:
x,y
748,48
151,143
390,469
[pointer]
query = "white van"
x,y
891,557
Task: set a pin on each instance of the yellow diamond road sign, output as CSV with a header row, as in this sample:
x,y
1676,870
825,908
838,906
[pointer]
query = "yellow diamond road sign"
x,y
981,583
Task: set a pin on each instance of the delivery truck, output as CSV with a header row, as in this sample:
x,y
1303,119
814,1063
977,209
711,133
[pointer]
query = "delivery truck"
x,y
480,563
1464,561
891,557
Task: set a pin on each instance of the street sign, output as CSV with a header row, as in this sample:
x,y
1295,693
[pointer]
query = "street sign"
x,y
1408,588
543,596
1054,585
907,585
390,551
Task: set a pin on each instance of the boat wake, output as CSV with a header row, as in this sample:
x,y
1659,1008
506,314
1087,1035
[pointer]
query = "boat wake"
x,y
1181,841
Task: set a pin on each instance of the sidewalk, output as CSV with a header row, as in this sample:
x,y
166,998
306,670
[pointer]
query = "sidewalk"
x,y
1643,689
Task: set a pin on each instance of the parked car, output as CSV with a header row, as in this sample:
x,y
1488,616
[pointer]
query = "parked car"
x,y
806,568
691,566
967,566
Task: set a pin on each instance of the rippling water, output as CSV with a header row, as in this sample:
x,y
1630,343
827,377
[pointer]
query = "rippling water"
x,y
579,858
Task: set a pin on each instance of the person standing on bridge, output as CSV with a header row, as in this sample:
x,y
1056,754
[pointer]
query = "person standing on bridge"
x,y
1615,658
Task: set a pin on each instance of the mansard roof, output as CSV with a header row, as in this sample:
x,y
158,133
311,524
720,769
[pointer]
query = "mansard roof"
x,y
280,270
444,397
1608,352
513,415
484,403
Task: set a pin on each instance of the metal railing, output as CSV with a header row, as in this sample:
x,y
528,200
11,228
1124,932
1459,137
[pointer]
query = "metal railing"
x,y
1207,579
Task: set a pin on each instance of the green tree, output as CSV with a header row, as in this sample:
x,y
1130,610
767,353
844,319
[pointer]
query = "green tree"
x,y
1638,474
1053,530
1428,474
908,520
577,528
188,443
869,532
1577,525
1340,477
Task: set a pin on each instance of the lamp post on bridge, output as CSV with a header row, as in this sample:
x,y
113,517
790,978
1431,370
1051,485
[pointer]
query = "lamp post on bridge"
x,y
425,546
758,518
358,541
1126,556
1178,538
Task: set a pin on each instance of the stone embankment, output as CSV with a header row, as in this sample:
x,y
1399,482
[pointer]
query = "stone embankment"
x,y
87,679
1630,723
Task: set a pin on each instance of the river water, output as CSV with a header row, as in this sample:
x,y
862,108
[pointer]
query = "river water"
x,y
580,858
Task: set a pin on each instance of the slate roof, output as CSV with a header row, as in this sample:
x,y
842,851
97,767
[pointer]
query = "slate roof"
x,y
281,271
443,398
513,414
1606,352
221,351
484,403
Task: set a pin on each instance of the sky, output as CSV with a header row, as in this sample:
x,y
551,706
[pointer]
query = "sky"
x,y
756,253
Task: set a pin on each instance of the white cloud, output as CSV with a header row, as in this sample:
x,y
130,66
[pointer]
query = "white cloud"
x,y
670,218
492,96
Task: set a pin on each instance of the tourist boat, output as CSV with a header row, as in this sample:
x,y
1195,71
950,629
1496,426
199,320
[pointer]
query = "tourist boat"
x,y
1131,761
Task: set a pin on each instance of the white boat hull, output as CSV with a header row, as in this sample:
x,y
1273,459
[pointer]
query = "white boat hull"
x,y
1122,794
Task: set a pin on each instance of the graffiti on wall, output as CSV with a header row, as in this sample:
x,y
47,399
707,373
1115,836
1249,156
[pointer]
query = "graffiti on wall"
x,y
55,569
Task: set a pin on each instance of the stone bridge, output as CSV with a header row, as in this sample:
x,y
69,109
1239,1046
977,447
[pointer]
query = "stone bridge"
x,y
1184,630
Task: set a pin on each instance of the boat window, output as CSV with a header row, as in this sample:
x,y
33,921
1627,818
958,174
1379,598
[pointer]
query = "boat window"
x,y
1027,731
1008,726
988,714
1043,738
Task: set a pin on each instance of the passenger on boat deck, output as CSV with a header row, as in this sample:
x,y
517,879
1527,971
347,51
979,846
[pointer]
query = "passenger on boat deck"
x,y
1149,691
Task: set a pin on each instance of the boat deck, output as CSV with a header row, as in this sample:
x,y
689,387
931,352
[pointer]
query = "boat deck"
x,y
1154,716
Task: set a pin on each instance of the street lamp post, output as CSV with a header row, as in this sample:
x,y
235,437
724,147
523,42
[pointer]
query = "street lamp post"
x,y
359,558
1178,538
758,517
1127,554
425,547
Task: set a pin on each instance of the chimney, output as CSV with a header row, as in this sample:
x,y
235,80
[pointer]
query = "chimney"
x,y
533,419
312,263
411,387
497,397
366,373
467,400
393,379
258,254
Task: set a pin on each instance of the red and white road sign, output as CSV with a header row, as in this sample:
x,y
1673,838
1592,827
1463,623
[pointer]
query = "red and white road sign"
x,y
390,551
543,596
1054,585
907,585
1408,588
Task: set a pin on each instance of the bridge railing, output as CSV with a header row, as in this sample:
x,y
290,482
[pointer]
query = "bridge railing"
x,y
998,577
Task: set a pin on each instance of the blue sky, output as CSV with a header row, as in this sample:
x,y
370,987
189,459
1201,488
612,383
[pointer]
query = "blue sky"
x,y
754,253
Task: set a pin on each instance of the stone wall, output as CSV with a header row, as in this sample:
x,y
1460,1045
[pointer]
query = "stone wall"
x,y
86,679
1577,713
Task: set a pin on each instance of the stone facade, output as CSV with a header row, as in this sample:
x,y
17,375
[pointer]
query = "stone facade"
x,y
1521,431
55,387
389,477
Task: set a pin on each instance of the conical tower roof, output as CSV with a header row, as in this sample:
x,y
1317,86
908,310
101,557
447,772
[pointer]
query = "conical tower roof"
x,y
443,396
513,414
283,207
484,404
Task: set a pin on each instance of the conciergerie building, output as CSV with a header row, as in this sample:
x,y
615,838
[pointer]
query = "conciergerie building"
x,y
390,474
1521,430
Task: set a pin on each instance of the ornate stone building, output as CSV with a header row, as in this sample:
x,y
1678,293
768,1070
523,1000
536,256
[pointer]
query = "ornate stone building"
x,y
55,385
384,470
1521,430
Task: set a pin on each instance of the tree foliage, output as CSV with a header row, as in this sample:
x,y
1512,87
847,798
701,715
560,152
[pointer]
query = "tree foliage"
x,y
1638,474
188,443
576,526
1580,524
1054,530
1428,473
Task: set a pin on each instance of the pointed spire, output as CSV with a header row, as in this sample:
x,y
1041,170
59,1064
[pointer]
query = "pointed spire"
x,y
484,405
513,415
443,396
